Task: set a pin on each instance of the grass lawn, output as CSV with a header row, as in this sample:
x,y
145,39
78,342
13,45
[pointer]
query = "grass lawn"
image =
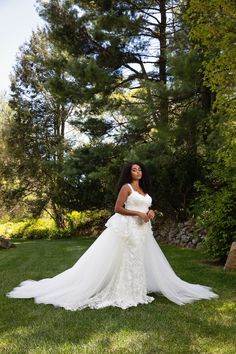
x,y
158,328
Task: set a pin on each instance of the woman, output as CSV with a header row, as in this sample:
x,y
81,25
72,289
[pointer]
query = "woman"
x,y
123,265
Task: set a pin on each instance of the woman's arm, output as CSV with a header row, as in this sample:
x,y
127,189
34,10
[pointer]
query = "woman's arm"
x,y
151,214
121,199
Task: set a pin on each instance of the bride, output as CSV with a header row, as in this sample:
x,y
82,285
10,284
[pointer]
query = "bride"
x,y
123,265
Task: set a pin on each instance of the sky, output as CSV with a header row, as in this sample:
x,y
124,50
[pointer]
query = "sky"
x,y
17,20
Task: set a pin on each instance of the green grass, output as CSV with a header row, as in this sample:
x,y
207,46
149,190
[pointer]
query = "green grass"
x,y
161,327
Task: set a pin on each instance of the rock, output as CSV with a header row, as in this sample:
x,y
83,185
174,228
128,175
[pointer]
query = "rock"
x,y
182,233
199,245
5,244
185,238
189,222
189,245
231,259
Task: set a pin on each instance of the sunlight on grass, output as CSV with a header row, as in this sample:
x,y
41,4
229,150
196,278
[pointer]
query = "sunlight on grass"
x,y
205,345
228,307
125,340
161,327
4,344
225,313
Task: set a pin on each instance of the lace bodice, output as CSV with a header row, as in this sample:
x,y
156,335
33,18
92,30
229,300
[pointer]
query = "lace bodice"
x,y
125,223
137,201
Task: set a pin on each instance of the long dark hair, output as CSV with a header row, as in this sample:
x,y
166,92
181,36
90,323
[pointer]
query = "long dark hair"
x,y
126,177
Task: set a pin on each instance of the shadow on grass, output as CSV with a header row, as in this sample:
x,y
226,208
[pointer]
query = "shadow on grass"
x,y
160,327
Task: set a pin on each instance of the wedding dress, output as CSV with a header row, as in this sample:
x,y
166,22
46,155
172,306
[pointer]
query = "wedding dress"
x,y
120,268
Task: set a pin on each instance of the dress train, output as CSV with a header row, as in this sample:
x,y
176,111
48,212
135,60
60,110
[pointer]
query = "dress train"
x,y
120,268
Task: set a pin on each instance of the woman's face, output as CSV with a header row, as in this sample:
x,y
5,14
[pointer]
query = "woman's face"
x,y
136,172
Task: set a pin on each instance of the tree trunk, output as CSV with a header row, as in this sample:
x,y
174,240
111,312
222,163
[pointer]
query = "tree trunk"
x,y
207,98
163,107
58,216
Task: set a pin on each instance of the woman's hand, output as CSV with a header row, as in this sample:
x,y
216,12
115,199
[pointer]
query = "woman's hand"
x,y
151,214
143,216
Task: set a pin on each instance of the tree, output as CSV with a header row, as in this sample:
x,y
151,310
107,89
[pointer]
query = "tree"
x,y
120,65
7,167
128,75
36,135
216,40
114,47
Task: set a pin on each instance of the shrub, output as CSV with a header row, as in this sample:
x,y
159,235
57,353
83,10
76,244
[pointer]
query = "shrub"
x,y
29,229
216,212
91,221
79,223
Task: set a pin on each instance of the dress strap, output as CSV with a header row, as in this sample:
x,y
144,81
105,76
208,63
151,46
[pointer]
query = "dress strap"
x,y
130,187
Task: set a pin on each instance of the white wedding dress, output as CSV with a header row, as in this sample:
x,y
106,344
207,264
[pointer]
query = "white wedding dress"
x,y
120,268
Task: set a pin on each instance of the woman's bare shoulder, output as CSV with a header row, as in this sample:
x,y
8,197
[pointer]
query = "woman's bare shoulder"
x,y
125,188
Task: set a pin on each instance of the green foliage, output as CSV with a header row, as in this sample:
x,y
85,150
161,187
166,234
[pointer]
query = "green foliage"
x,y
30,229
87,222
109,51
100,64
78,223
35,135
215,39
173,173
216,212
216,206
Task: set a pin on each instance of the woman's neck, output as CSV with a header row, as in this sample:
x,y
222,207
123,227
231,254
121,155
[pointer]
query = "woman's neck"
x,y
135,184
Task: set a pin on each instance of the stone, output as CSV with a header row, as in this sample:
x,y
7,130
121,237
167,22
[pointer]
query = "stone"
x,y
189,245
189,222
185,238
199,245
182,233
203,232
231,259
5,244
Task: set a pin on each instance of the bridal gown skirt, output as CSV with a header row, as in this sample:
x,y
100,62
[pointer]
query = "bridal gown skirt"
x,y
120,268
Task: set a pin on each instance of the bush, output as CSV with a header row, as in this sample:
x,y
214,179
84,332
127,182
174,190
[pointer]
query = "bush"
x,y
29,229
78,223
90,222
216,212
